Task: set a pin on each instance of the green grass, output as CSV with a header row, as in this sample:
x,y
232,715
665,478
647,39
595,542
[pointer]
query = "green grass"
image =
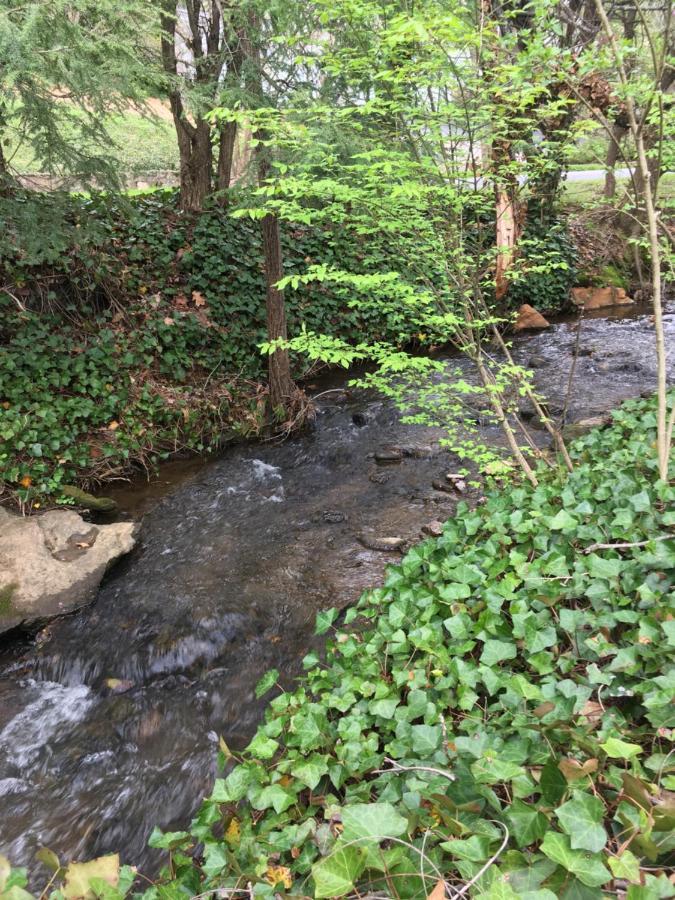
x,y
589,193
142,145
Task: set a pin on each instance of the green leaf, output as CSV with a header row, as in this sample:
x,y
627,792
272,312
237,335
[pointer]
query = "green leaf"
x,y
618,749
527,823
324,620
310,771
168,840
262,747
426,739
601,567
497,651
372,820
266,682
588,869
335,875
275,796
581,818
234,787
625,866
563,521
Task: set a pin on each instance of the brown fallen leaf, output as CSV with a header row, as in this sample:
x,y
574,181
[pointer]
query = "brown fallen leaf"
x,y
573,770
198,298
169,321
593,711
438,892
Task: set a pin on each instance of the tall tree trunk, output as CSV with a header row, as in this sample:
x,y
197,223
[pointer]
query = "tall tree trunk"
x,y
619,131
196,161
227,143
194,139
507,215
279,368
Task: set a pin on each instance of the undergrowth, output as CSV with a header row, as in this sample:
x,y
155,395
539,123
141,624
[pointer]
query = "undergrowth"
x,y
130,330
498,724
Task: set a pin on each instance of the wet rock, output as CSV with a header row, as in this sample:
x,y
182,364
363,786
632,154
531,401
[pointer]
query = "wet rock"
x,y
536,362
387,455
597,298
88,501
118,685
457,482
444,486
333,517
573,430
418,451
433,529
530,319
383,544
379,477
360,419
52,564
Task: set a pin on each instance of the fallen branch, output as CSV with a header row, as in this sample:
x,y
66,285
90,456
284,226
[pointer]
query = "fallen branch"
x,y
625,546
397,767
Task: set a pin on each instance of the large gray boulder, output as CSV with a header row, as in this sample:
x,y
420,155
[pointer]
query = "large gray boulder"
x,y
52,564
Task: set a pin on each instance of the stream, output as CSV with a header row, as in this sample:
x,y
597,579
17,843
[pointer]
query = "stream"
x,y
234,559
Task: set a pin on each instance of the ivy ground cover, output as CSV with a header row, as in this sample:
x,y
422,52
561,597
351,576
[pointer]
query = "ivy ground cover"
x,y
501,726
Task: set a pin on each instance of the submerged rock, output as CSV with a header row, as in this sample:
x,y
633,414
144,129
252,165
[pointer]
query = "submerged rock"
x,y
573,430
53,564
383,544
389,455
433,529
530,319
597,298
88,501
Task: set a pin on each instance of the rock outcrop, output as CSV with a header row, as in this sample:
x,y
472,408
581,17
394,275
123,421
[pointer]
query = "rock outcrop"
x,y
529,319
597,298
52,564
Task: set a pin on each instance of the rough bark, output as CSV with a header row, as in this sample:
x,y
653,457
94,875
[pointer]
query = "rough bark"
x,y
226,145
203,40
280,381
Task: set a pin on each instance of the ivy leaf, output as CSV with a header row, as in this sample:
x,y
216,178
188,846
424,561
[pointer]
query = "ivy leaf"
x,y
618,749
527,823
426,739
266,682
497,651
168,840
334,876
372,820
324,620
262,747
276,796
625,866
232,788
590,870
79,876
310,771
581,818
601,567
563,521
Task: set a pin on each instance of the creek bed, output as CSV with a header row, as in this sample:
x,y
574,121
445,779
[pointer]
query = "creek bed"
x,y
236,556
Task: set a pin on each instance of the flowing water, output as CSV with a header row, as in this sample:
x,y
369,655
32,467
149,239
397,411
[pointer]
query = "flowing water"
x,y
235,557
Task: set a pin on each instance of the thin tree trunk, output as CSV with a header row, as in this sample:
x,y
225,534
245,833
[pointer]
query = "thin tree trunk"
x,y
280,381
227,143
636,130
613,152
